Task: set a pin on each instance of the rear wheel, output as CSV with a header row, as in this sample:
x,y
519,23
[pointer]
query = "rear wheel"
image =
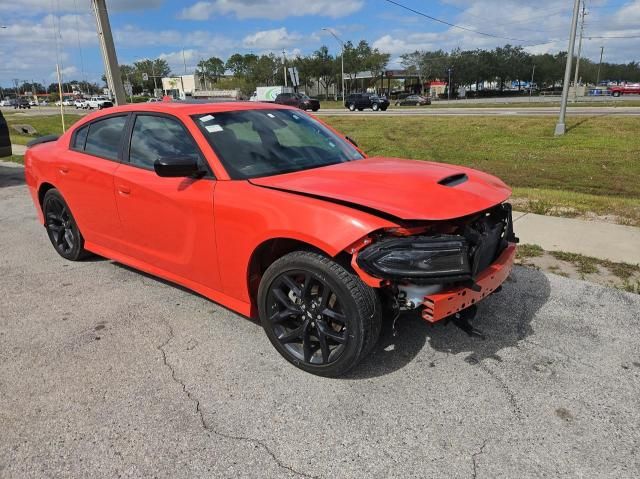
x,y
61,227
617,93
319,316
375,107
352,107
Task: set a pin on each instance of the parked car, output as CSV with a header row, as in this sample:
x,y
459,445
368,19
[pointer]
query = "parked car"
x,y
33,103
619,90
413,100
360,101
289,222
98,102
80,103
65,102
22,104
299,100
5,140
154,100
7,102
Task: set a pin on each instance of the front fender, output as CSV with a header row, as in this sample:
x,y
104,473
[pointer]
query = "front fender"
x,y
247,215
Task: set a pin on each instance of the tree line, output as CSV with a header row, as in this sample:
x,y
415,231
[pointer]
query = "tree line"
x,y
320,68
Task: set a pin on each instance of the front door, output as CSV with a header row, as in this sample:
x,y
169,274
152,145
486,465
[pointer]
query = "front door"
x,y
167,222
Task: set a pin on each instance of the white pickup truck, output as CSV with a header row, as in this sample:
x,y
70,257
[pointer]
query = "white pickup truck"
x,y
98,102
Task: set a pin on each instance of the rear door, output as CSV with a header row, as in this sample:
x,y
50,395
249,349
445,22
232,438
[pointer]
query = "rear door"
x,y
5,140
167,222
84,176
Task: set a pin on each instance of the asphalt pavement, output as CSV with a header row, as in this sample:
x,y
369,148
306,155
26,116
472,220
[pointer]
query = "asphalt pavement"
x,y
107,372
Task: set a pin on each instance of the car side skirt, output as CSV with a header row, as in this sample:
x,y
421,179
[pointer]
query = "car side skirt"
x,y
225,300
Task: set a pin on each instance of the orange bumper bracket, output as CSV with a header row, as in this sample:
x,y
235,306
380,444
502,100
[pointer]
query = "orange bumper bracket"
x,y
445,303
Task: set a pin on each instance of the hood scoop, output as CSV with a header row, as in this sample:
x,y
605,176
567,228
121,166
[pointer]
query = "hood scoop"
x,y
453,180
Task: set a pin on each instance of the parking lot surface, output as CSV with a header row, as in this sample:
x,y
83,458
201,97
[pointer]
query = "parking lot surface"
x,y
107,372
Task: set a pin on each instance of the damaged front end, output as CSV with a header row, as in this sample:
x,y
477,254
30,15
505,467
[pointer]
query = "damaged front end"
x,y
442,267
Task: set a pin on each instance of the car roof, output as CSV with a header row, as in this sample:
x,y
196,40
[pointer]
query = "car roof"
x,y
180,108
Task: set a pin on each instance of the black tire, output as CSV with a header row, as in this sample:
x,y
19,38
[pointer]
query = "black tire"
x,y
383,108
617,94
62,228
316,108
352,107
375,107
318,315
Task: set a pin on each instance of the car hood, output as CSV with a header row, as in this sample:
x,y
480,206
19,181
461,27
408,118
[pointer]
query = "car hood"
x,y
406,189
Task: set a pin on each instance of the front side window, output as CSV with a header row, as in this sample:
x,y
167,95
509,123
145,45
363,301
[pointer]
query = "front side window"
x,y
155,137
255,143
104,137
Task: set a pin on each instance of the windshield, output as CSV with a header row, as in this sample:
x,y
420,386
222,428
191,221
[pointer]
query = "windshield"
x,y
254,143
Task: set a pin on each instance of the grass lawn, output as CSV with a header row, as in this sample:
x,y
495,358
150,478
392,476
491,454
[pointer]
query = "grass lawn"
x,y
45,125
593,168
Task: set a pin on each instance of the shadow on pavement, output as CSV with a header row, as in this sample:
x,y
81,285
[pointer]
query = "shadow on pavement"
x,y
11,176
505,318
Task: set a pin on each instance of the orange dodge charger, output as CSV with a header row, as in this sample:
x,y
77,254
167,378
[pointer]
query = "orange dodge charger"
x,y
270,212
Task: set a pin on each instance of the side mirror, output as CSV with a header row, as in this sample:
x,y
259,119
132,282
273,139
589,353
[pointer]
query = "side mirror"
x,y
350,140
177,167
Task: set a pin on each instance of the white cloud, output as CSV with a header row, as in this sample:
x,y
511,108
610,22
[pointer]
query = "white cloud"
x,y
271,9
269,39
36,7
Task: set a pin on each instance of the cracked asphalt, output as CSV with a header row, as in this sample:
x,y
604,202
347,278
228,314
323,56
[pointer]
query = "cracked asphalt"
x,y
107,372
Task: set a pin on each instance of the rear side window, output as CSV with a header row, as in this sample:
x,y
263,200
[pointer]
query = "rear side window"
x,y
104,137
80,138
156,137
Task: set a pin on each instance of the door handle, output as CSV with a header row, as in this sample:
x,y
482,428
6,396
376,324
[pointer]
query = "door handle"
x,y
124,190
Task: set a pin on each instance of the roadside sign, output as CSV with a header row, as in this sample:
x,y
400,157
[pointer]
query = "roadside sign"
x,y
145,77
128,88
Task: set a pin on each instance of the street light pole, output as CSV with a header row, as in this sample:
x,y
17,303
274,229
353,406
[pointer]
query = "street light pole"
x,y
599,66
341,58
575,77
560,126
531,84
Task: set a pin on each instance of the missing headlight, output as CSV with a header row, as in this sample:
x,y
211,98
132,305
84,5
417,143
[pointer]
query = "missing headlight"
x,y
418,258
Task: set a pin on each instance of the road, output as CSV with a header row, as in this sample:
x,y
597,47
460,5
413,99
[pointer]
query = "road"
x,y
488,111
106,372
425,111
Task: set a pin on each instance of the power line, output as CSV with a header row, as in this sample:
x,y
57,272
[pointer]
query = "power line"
x,y
460,27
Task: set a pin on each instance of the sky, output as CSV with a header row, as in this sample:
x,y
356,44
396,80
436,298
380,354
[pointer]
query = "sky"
x,y
188,30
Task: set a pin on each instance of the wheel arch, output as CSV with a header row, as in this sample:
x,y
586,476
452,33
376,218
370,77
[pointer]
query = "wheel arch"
x,y
42,190
272,249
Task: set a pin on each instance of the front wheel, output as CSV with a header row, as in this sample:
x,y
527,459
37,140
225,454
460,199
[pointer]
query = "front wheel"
x,y
319,316
61,227
352,107
616,94
375,107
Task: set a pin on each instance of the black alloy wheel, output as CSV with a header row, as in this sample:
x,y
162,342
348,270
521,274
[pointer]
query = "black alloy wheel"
x,y
318,315
61,227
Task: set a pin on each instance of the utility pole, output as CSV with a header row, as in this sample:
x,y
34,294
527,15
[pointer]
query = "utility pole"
x,y
560,126
284,63
599,66
575,77
111,68
530,84
449,86
61,96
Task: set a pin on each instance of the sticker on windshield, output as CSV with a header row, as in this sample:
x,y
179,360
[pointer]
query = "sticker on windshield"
x,y
207,118
213,128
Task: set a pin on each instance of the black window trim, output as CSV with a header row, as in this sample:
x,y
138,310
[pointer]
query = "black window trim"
x,y
128,135
88,124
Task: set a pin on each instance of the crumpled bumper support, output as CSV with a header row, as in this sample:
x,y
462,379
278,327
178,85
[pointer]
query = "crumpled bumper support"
x,y
438,306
